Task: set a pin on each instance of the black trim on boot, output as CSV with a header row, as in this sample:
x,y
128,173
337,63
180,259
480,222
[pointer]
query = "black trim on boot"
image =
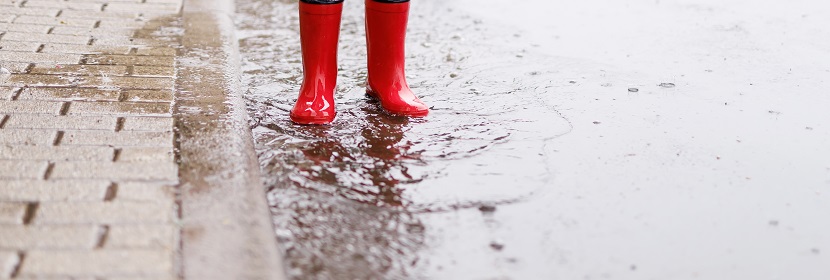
x,y
322,1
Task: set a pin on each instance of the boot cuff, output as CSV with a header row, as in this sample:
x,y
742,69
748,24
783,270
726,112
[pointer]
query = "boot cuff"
x,y
388,6
321,7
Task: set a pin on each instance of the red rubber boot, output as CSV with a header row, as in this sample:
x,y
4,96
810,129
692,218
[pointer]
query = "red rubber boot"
x,y
385,36
319,31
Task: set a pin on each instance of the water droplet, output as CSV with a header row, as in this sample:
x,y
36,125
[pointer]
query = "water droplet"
x,y
487,208
633,89
666,85
497,245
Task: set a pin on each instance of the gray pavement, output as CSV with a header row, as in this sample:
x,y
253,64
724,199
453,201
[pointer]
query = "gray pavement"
x,y
102,161
595,139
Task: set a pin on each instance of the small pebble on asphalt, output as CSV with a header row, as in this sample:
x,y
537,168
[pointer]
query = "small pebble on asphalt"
x,y
497,245
487,208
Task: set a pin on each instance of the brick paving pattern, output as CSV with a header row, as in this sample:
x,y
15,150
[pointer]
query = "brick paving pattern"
x,y
88,174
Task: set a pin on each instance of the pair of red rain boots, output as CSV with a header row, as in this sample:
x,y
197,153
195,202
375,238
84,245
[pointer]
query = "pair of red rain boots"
x,y
385,35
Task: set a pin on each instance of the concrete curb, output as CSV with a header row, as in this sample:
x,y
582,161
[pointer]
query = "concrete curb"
x,y
227,231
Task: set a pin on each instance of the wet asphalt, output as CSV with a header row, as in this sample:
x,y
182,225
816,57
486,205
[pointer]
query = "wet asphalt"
x,y
590,140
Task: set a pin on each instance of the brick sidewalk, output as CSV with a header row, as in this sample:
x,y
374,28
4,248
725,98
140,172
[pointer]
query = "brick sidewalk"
x,y
88,174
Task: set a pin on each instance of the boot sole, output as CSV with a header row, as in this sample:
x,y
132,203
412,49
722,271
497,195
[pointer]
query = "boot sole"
x,y
415,114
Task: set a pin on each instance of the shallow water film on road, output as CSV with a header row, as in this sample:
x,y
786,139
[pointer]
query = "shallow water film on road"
x,y
630,141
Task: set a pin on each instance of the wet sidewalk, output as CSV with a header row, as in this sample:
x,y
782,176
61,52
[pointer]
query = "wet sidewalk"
x,y
103,173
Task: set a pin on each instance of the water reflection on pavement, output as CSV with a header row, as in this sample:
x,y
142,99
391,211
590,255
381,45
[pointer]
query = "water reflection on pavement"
x,y
349,198
593,139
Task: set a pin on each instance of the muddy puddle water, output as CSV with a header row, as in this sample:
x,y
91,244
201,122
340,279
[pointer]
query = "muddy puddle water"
x,y
353,200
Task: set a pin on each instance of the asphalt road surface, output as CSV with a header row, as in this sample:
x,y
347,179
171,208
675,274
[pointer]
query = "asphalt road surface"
x,y
594,139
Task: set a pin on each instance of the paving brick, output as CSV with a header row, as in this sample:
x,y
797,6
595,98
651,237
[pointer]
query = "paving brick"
x,y
114,213
98,263
164,7
26,80
154,71
27,136
47,12
134,60
22,169
4,17
143,278
146,154
11,213
53,190
121,23
58,278
126,82
19,46
142,237
148,124
15,67
123,171
31,57
122,138
157,51
43,29
82,70
85,49
46,38
100,82
8,262
109,1
165,1
148,95
139,40
48,237
69,94
144,82
73,30
125,16
146,192
7,93
30,107
51,20
71,5
61,122
120,108
51,153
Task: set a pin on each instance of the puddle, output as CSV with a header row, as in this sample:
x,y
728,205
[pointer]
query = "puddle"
x,y
349,199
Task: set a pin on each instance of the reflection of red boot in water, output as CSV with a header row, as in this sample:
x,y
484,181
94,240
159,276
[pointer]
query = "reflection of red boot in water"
x,y
319,30
385,35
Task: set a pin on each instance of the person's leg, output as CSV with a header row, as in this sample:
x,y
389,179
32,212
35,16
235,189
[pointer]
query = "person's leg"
x,y
319,31
385,37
